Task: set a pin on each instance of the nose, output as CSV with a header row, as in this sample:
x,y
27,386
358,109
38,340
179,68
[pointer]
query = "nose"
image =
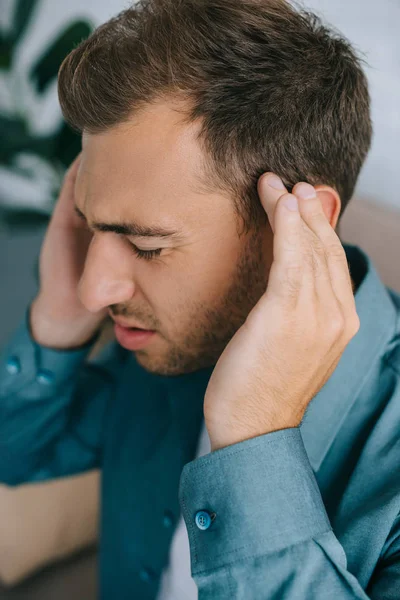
x,y
107,276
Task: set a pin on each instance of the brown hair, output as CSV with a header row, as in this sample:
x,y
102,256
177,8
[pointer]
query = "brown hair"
x,y
275,89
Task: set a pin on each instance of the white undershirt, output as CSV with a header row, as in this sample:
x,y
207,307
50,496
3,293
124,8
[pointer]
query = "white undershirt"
x,y
176,580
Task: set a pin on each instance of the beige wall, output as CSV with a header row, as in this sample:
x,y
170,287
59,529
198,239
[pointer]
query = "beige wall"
x,y
376,229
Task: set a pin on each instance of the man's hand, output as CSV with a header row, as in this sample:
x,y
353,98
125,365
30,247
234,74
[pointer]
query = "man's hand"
x,y
57,317
293,338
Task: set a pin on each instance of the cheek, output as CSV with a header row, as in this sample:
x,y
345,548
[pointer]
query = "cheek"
x,y
209,274
190,280
165,289
218,269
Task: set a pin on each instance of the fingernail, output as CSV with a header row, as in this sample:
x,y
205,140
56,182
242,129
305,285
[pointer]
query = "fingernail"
x,y
291,203
305,190
275,182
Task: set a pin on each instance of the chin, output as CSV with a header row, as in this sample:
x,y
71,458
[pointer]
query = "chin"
x,y
151,364
160,366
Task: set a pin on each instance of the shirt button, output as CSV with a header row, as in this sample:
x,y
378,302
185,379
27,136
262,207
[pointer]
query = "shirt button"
x,y
146,574
203,519
44,376
168,518
13,365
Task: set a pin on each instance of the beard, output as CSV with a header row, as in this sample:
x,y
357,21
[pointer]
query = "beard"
x,y
210,328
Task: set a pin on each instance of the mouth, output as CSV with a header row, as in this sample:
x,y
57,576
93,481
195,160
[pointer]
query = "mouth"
x,y
132,338
133,328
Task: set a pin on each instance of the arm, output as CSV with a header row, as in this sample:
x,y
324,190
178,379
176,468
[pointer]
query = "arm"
x,y
52,407
46,522
271,538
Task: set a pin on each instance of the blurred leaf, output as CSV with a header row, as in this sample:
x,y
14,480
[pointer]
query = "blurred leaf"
x,y
23,219
5,51
46,68
22,16
14,136
19,146
68,144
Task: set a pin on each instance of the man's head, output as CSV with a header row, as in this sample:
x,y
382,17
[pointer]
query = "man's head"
x,y
182,106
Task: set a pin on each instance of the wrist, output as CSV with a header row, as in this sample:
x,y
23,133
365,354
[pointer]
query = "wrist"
x,y
221,439
53,331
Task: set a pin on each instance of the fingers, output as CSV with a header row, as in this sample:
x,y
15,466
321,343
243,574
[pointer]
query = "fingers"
x,y
72,171
309,259
64,213
270,188
75,163
287,272
297,274
326,241
70,176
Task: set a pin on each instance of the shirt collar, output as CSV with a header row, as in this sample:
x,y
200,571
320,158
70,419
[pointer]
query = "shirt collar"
x,y
329,407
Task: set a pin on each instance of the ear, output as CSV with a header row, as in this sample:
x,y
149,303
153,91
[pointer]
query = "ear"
x,y
331,203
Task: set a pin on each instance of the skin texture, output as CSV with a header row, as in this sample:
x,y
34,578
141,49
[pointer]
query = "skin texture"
x,y
201,288
293,339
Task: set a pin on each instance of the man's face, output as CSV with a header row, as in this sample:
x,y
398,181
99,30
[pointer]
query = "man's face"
x,y
203,284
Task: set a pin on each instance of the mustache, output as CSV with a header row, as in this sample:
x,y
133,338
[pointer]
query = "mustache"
x,y
126,313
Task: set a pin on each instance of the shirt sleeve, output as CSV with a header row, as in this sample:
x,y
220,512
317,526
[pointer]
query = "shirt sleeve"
x,y
52,408
258,528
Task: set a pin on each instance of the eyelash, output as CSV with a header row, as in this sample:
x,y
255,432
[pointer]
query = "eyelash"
x,y
145,254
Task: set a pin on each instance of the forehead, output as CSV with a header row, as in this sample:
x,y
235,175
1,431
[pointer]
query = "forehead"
x,y
150,167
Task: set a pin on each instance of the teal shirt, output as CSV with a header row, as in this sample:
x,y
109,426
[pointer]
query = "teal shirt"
x,y
304,513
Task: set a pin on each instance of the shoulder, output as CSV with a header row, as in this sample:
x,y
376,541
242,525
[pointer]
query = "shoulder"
x,y
392,354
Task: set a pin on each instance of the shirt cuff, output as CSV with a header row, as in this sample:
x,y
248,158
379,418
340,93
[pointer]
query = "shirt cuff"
x,y
25,362
252,498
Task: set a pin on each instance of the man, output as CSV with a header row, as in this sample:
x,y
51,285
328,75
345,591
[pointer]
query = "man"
x,y
251,398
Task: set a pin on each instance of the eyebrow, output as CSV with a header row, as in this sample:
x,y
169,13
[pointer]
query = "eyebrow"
x,y
133,229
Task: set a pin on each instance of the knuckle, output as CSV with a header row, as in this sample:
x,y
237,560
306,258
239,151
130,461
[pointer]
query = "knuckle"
x,y
354,324
315,259
335,250
319,249
313,246
318,264
315,214
336,324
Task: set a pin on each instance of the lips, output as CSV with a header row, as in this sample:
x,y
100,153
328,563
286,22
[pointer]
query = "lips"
x,y
131,338
127,325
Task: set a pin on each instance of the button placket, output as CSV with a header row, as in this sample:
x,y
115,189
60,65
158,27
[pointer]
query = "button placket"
x,y
168,519
13,365
44,376
146,574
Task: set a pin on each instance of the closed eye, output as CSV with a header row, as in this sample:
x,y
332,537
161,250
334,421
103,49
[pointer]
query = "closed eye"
x,y
145,254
